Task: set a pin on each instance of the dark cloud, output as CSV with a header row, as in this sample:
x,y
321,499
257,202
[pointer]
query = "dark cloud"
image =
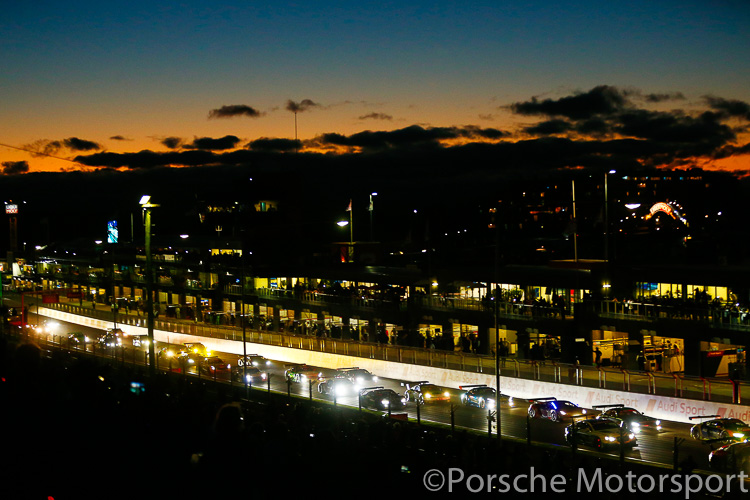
x,y
233,110
149,159
729,107
271,144
665,96
601,100
299,107
211,144
413,136
15,167
474,132
549,127
593,126
376,116
45,147
119,138
76,144
675,128
172,142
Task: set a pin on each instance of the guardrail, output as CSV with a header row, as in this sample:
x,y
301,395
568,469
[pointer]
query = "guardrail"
x,y
643,382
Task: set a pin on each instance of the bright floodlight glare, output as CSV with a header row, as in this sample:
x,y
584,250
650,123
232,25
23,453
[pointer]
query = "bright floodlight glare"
x,y
342,223
144,199
184,236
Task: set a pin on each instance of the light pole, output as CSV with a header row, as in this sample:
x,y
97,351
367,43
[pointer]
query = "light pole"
x,y
147,206
342,223
606,217
371,209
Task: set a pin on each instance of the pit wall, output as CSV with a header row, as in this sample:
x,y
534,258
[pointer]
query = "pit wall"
x,y
662,407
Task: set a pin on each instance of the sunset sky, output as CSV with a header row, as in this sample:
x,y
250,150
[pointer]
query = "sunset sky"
x,y
82,79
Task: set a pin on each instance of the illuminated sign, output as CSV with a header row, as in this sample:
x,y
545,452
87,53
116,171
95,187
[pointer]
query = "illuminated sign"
x,y
112,232
11,209
661,207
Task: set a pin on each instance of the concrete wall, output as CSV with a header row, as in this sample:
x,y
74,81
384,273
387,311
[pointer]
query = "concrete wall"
x,y
666,408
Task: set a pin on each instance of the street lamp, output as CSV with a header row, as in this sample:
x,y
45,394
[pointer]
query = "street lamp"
x,y
146,204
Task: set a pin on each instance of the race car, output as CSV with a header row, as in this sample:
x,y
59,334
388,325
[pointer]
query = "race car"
x,y
382,399
254,360
358,376
302,373
732,457
197,348
720,428
213,365
338,386
599,433
110,339
423,392
632,418
252,374
554,409
482,396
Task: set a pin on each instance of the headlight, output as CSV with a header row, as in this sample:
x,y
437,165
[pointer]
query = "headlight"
x,y
447,394
190,360
255,363
739,435
385,402
658,423
403,400
490,404
374,378
609,438
562,413
631,435
249,378
427,395
303,378
583,411
510,401
263,376
268,363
